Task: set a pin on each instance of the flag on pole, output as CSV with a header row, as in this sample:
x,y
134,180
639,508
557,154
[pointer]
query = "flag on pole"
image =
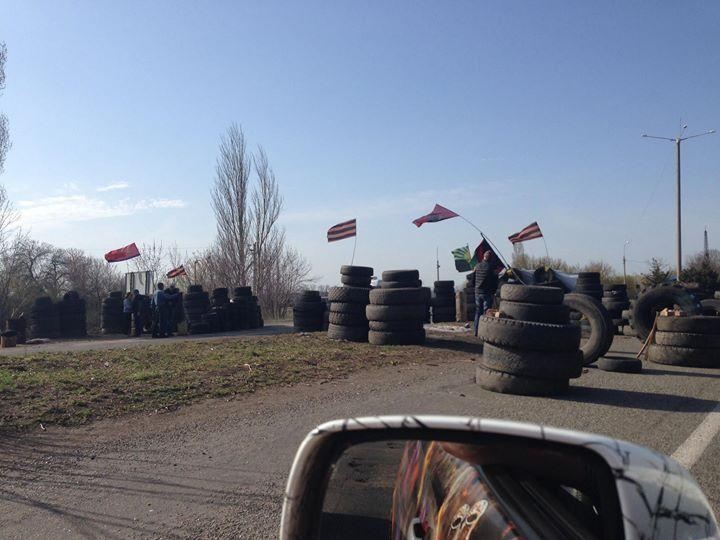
x,y
122,254
346,229
176,272
530,232
464,260
439,213
480,252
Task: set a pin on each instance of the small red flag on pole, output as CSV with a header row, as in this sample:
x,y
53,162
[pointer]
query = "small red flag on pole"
x,y
122,254
439,213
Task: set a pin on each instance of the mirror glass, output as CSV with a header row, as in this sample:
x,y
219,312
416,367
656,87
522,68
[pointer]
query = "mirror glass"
x,y
434,490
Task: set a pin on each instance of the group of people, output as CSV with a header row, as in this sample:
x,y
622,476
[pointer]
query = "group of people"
x,y
161,311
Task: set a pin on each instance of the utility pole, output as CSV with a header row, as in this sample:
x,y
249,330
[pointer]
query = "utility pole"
x,y
707,247
678,140
624,263
437,262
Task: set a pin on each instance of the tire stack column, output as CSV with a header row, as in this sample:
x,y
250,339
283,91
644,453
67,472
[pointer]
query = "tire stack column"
x,y
588,283
196,304
536,351
219,302
347,319
617,303
397,310
111,315
443,302
73,322
469,292
241,307
687,341
308,312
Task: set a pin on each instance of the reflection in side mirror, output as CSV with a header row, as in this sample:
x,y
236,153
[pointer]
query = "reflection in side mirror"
x,y
453,478
447,490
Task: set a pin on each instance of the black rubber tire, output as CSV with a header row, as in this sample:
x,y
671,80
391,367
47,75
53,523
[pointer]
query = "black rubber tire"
x,y
531,294
543,365
710,307
354,295
356,271
529,335
220,292
612,304
684,356
698,324
589,275
442,301
683,339
305,296
497,381
347,319
242,291
602,329
655,299
543,313
348,333
400,275
617,287
353,281
397,297
716,296
401,284
444,284
410,337
346,307
395,326
396,313
620,364
308,307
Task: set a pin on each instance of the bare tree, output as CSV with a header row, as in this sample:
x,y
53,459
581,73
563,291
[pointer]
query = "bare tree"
x,y
229,202
153,258
4,131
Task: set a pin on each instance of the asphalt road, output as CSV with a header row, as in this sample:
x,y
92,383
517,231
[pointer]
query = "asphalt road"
x,y
218,469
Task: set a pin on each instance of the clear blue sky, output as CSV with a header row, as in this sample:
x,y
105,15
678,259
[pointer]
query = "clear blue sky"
x,y
507,112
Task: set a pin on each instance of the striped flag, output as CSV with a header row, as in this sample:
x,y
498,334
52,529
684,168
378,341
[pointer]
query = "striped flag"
x,y
439,213
346,229
177,272
530,232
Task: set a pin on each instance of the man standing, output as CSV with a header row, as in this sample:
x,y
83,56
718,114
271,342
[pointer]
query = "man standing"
x,y
137,307
486,283
160,312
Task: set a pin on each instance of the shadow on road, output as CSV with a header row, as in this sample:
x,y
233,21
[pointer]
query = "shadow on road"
x,y
632,399
683,373
460,345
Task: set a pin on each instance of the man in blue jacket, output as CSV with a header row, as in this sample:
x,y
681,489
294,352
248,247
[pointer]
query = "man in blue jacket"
x,y
486,284
161,310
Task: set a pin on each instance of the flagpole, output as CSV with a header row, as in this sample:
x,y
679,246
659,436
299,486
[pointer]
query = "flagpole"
x,y
354,246
547,254
497,251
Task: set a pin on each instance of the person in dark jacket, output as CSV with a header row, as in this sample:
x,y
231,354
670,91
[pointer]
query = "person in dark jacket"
x,y
137,307
486,283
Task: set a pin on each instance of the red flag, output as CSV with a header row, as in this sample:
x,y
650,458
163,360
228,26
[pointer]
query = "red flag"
x,y
439,213
176,272
346,229
530,232
480,251
122,254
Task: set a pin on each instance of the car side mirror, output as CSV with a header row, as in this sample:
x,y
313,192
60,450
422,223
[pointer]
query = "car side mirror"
x,y
456,478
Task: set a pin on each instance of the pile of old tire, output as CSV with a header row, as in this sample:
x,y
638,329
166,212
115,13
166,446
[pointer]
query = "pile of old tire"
x,y
240,307
427,295
73,323
347,319
443,301
711,307
629,328
19,325
597,329
356,276
196,304
112,319
256,319
396,315
44,319
588,283
308,312
654,299
220,317
687,341
469,292
617,303
532,349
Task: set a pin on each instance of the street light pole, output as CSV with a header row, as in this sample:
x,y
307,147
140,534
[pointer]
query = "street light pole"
x,y
678,140
624,261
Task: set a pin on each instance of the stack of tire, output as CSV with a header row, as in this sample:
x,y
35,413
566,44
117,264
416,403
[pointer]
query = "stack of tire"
x,y
711,306
308,312
532,350
652,300
18,325
397,310
629,329
687,341
240,307
427,295
617,303
219,317
356,276
112,319
347,319
177,313
469,292
44,319
588,283
255,312
443,301
196,304
73,322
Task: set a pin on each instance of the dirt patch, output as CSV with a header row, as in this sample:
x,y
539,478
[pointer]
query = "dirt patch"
x,y
73,388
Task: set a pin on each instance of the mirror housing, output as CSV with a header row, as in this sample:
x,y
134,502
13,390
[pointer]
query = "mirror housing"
x,y
654,495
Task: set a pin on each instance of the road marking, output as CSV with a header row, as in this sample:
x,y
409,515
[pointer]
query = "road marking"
x,y
690,451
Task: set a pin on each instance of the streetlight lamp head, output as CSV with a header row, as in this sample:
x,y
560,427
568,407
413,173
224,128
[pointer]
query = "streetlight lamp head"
x,y
685,126
711,131
644,135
